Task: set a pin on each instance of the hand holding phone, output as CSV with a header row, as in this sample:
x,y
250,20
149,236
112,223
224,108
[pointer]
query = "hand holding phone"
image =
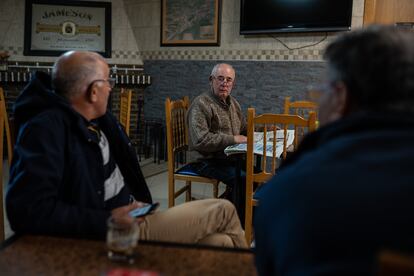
x,y
143,211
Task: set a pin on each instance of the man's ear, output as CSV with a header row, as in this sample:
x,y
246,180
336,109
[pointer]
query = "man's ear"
x,y
210,78
92,95
341,98
334,103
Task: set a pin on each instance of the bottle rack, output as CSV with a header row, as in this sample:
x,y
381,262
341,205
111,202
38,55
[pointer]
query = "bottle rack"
x,y
123,74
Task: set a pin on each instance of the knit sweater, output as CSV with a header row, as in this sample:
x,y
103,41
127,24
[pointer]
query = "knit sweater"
x,y
213,124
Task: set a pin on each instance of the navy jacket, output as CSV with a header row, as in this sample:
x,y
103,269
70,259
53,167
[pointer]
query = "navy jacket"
x,y
346,194
56,184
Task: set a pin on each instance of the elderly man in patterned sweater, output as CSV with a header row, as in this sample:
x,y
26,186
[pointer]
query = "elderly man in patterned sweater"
x,y
216,121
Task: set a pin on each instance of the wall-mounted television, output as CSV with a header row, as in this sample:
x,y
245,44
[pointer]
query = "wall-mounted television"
x,y
280,16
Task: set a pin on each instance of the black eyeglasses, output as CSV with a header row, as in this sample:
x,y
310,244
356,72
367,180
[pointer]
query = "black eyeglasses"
x,y
222,79
110,81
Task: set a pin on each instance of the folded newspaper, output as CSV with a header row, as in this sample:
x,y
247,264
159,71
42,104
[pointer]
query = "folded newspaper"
x,y
258,145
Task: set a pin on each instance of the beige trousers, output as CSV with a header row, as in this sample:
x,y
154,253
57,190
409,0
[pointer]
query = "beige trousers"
x,y
208,221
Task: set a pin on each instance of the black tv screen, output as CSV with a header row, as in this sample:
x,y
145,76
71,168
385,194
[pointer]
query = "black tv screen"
x,y
278,16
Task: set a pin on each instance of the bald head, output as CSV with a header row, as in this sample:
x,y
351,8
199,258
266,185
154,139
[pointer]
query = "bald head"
x,y
74,71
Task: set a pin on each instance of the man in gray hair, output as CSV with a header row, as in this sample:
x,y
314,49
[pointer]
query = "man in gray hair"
x,y
216,121
347,192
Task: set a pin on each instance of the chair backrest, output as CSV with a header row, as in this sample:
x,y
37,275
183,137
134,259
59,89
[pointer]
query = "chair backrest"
x,y
395,264
301,108
125,108
280,134
2,234
177,131
6,127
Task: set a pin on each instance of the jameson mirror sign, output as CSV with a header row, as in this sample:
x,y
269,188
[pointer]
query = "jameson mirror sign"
x,y
54,27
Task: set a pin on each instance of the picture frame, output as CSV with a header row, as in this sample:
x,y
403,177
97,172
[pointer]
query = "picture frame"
x,y
54,27
190,22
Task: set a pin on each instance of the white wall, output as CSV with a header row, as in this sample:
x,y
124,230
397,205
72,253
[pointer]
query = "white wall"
x,y
146,23
136,36
124,46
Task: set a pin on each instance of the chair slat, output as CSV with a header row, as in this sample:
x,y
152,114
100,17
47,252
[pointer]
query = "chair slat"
x,y
270,124
177,147
125,109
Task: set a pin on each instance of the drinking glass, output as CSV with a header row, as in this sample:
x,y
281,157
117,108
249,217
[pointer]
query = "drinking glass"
x,y
121,240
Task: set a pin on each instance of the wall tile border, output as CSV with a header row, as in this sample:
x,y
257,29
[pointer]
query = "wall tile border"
x,y
203,54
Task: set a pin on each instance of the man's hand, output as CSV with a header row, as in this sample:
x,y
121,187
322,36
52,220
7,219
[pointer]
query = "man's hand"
x,y
121,214
240,139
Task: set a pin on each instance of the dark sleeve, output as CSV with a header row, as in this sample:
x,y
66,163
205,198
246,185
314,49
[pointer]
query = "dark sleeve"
x,y
289,221
264,223
34,200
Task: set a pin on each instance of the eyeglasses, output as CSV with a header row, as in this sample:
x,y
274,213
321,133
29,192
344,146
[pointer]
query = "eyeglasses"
x,y
222,79
110,81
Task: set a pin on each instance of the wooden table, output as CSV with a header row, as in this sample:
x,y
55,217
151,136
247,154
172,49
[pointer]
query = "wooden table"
x,y
40,255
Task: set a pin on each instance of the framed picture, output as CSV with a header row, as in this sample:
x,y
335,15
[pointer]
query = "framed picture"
x,y
190,22
54,27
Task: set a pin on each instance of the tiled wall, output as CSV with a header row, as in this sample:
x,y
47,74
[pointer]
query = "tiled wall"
x,y
12,15
136,35
262,85
266,69
145,21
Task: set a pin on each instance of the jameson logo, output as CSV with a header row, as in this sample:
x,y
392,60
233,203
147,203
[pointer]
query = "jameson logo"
x,y
66,13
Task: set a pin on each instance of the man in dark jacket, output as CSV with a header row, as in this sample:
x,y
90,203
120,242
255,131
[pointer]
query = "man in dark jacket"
x,y
347,193
74,167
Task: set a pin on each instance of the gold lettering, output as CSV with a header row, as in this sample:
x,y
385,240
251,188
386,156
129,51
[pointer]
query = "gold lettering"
x,y
67,13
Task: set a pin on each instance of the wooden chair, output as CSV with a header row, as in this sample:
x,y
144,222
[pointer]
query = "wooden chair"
x,y
301,108
125,109
277,132
10,137
177,147
395,264
4,128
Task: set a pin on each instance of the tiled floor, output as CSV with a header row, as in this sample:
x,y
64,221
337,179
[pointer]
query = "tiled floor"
x,y
158,185
157,182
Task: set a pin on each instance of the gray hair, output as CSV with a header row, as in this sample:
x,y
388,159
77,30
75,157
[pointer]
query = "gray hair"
x,y
217,66
377,66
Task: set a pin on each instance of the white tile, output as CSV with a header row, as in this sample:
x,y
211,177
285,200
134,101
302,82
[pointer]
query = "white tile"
x,y
158,185
357,22
358,8
144,14
119,18
119,38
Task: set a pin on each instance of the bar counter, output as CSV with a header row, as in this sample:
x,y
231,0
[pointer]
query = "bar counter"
x,y
41,255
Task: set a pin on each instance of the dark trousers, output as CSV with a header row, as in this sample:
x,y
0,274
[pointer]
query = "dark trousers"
x,y
231,172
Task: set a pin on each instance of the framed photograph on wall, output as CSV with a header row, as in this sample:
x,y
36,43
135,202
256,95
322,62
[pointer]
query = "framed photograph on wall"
x,y
190,22
54,27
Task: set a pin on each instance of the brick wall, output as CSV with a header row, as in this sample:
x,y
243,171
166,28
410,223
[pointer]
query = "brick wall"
x,y
259,84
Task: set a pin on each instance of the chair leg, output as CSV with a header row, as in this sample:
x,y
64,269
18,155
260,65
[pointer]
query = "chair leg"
x,y
171,191
188,192
248,222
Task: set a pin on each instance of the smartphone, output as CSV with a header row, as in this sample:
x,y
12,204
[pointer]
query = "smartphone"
x,y
143,211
